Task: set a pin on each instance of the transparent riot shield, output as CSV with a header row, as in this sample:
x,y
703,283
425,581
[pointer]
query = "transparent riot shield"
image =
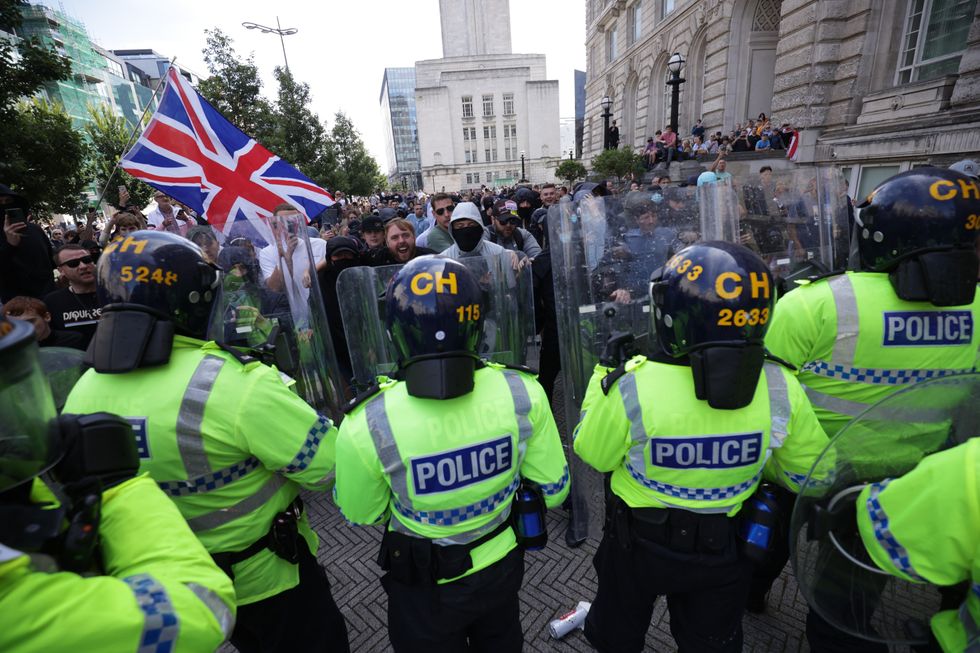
x,y
797,220
269,303
63,367
836,575
604,250
508,323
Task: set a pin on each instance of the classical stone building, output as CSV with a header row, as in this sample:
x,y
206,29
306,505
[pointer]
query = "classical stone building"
x,y
876,86
480,106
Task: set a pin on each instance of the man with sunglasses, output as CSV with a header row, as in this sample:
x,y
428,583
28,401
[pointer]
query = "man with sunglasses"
x,y
507,231
76,308
437,238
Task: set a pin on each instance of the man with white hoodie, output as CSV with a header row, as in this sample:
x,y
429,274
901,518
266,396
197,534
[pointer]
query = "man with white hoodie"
x,y
469,238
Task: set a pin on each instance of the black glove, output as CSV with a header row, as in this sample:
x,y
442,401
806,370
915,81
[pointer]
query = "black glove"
x,y
98,448
841,519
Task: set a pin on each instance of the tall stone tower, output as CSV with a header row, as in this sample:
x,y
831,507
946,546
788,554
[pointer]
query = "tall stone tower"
x,y
475,27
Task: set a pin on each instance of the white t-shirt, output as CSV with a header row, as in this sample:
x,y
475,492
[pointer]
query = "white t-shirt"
x,y
269,257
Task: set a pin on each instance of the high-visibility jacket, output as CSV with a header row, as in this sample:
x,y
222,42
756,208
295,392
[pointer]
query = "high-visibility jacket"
x,y
925,526
855,342
666,448
228,442
161,590
447,469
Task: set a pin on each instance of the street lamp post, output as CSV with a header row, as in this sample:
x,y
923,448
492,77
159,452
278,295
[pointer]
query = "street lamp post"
x,y
571,154
606,103
523,177
674,65
289,31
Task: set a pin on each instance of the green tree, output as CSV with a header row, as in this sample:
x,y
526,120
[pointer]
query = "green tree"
x,y
618,162
357,171
234,87
297,135
107,136
26,67
43,157
570,170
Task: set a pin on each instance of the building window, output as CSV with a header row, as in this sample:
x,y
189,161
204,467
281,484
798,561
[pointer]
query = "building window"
x,y
611,39
508,104
490,143
635,17
510,142
489,177
934,38
469,133
666,8
488,106
467,106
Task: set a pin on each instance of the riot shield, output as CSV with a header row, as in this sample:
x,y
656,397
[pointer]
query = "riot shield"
x,y
508,323
63,367
269,303
797,220
835,574
603,252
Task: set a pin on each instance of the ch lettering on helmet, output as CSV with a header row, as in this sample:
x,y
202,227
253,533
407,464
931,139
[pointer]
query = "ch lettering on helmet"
x,y
143,274
456,468
927,328
127,244
943,189
707,452
424,283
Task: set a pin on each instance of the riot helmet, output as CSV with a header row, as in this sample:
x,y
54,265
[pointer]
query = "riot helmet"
x,y
712,302
921,227
434,318
165,274
28,436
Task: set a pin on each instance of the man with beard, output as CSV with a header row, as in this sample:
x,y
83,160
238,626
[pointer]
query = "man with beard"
x,y
400,238
507,232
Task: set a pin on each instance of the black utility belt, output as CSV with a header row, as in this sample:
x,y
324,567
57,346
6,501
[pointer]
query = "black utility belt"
x,y
282,538
416,560
679,530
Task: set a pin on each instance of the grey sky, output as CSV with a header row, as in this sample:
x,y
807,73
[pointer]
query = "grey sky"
x,y
342,47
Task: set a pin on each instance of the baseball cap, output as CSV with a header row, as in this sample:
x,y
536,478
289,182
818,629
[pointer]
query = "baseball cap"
x,y
386,214
341,244
967,167
373,223
505,209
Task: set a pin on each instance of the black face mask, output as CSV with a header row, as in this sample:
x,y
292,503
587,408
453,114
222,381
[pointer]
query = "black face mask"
x,y
468,237
525,212
340,265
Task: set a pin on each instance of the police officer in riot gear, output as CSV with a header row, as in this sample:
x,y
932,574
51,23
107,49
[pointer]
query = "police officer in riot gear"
x,y
688,435
907,315
91,512
437,453
221,433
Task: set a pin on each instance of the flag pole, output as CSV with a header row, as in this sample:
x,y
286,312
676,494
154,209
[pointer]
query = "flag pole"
x,y
132,135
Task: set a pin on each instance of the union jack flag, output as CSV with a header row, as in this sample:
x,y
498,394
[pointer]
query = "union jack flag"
x,y
192,153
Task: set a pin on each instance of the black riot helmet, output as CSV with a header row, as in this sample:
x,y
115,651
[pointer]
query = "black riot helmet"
x,y
712,302
163,273
434,317
921,227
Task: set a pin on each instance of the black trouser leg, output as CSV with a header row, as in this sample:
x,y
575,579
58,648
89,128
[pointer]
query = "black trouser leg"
x,y
304,618
479,612
550,361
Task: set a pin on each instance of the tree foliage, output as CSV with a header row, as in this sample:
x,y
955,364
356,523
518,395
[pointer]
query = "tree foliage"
x,y
297,135
25,68
357,171
107,136
570,170
618,162
234,87
43,157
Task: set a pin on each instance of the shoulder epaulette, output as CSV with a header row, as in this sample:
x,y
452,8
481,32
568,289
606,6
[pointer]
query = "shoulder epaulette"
x,y
825,275
371,390
772,358
239,355
510,366
609,380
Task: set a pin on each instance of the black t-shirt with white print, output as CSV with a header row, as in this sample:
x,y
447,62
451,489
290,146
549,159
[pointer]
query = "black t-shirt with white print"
x,y
74,312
